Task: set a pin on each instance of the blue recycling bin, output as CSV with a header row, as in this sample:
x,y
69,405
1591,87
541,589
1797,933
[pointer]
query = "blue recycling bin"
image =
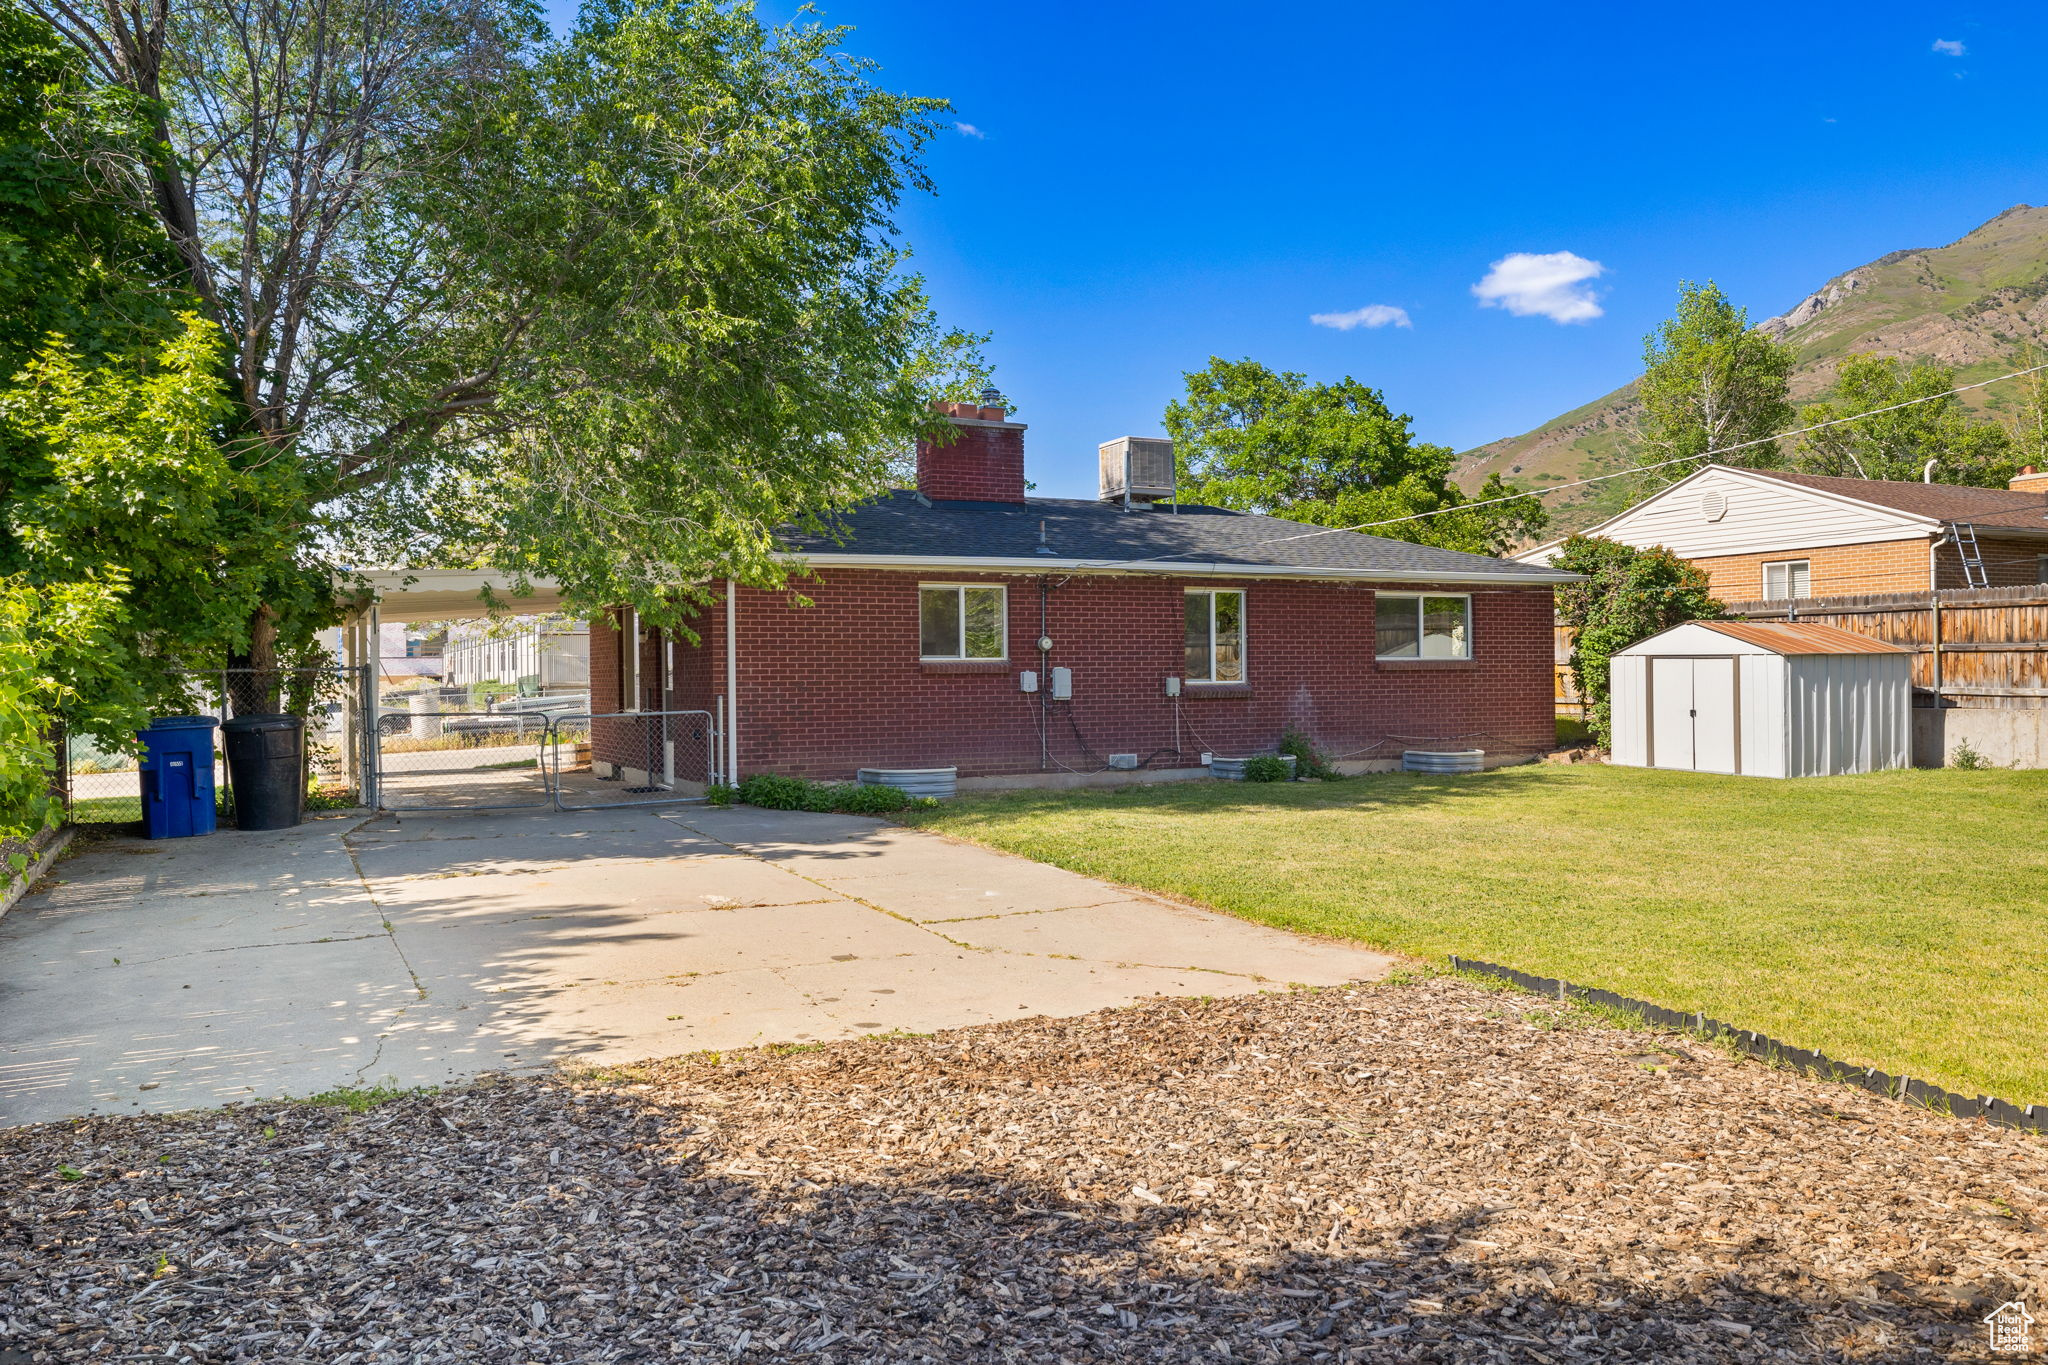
x,y
177,777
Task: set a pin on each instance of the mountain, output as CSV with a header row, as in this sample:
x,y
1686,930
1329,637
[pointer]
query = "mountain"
x,y
1971,304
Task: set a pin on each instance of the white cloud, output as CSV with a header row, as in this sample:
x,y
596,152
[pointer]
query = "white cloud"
x,y
969,130
1372,315
1949,47
1551,285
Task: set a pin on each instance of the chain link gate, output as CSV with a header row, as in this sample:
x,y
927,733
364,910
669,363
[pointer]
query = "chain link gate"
x,y
632,758
440,753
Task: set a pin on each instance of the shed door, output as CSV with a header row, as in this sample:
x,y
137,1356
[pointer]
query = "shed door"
x,y
1692,714
1713,715
1671,713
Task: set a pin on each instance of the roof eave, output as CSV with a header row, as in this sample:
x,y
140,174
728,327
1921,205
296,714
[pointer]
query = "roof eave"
x,y
1995,529
1520,577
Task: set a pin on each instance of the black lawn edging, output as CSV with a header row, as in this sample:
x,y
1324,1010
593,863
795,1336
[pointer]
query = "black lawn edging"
x,y
2028,1119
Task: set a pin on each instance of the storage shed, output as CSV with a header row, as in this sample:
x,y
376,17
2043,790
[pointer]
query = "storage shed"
x,y
1765,699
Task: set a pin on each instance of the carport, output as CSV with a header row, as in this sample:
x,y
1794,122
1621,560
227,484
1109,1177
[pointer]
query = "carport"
x,y
1765,699
424,766
374,598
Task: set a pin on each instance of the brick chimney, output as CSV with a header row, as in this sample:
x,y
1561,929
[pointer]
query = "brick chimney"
x,y
2028,481
982,462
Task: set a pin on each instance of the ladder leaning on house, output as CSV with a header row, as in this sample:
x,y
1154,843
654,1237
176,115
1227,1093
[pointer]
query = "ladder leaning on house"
x,y
1975,575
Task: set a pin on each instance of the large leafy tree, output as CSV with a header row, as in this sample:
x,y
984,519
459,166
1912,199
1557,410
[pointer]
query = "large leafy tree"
x,y
610,307
118,490
1254,439
1900,443
1710,382
1629,594
72,261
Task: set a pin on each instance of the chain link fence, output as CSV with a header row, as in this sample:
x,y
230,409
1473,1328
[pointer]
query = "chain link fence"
x,y
102,784
425,748
435,751
633,758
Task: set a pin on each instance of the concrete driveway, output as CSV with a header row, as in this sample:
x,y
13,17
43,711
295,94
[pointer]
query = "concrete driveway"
x,y
419,949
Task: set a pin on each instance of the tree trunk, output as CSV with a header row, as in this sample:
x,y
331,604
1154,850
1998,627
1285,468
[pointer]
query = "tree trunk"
x,y
252,683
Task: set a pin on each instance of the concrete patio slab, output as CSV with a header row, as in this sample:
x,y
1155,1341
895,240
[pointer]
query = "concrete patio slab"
x,y
441,1041
650,886
963,986
459,857
410,826
123,872
199,1029
464,959
972,885
168,927
1149,934
425,948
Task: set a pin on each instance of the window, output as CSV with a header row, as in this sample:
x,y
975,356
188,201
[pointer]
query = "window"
x,y
2041,569
1423,627
1215,636
629,659
1787,579
961,621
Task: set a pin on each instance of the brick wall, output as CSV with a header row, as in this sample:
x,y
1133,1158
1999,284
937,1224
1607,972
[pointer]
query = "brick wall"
x,y
1886,566
2008,563
983,463
1838,570
831,687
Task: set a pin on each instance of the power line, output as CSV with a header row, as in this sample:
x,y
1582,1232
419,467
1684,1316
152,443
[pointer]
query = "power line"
x,y
1613,474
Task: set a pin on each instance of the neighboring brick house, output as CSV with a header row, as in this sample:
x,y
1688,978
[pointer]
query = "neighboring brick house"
x,y
1768,535
1031,639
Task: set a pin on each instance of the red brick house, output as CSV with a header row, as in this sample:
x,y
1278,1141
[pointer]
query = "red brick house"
x,y
1024,639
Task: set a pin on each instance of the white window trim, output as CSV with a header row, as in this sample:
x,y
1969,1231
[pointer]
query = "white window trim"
x,y
1244,638
2041,568
629,659
1003,591
1787,566
1418,656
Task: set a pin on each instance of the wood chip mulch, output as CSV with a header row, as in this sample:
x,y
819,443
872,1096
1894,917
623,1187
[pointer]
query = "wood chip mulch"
x,y
1418,1172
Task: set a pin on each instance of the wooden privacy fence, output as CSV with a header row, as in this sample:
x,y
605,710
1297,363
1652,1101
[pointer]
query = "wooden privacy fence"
x,y
1982,647
1979,647
1564,691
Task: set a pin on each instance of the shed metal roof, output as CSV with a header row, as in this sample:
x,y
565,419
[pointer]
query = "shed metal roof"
x,y
1795,638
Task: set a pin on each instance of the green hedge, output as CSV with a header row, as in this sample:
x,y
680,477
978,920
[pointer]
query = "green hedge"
x,y
774,792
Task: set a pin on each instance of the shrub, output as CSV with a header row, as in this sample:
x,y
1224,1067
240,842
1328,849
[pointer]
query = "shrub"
x,y
38,627
1266,768
720,794
773,792
861,798
1309,761
1967,758
1628,595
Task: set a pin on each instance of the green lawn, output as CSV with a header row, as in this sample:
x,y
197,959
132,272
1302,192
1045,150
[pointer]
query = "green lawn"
x,y
1897,920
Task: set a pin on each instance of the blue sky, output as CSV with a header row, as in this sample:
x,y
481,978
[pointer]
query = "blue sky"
x,y
1141,186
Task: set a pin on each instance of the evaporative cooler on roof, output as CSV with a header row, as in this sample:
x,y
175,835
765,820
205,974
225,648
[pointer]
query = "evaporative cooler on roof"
x,y
1140,467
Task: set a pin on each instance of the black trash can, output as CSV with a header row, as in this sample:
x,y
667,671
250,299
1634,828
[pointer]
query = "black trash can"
x,y
267,765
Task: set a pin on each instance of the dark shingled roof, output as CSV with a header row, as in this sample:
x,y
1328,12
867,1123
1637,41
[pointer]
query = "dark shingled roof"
x,y
899,525
1942,501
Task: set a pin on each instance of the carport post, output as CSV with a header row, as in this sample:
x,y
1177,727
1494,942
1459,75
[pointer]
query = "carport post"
x,y
732,683
369,631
